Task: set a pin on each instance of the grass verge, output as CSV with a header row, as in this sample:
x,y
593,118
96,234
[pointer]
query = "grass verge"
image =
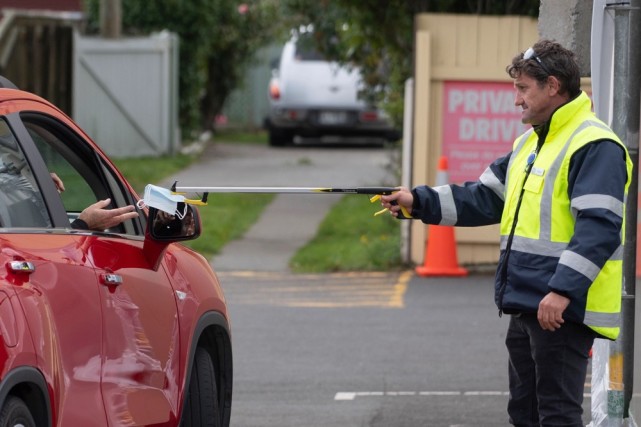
x,y
225,218
351,238
140,171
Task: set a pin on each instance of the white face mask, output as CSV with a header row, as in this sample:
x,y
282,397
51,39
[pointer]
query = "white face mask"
x,y
162,199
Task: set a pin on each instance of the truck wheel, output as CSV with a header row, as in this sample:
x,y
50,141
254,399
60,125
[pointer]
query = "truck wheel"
x,y
15,413
201,408
280,137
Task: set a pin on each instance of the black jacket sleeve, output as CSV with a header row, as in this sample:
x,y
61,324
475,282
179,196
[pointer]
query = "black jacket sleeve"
x,y
470,204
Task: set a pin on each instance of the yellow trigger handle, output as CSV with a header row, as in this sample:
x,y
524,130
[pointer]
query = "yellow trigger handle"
x,y
403,214
196,202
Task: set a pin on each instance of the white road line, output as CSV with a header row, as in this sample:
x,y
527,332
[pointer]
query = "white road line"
x,y
344,396
439,393
400,393
485,393
351,395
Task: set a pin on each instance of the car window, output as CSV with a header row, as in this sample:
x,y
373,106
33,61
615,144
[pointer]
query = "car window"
x,y
21,203
306,50
79,195
86,178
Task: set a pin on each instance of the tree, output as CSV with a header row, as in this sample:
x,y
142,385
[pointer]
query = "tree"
x,y
377,36
218,39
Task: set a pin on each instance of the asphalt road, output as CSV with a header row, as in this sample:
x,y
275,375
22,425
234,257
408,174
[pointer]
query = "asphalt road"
x,y
366,349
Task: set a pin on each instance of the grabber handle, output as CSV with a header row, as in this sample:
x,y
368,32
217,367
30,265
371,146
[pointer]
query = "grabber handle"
x,y
403,214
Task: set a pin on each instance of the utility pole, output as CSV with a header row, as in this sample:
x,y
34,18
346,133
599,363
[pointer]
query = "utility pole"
x,y
627,66
616,65
110,18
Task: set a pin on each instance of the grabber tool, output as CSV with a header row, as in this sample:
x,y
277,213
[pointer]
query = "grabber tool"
x,y
375,192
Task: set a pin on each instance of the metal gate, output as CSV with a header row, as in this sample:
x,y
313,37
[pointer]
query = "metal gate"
x,y
125,93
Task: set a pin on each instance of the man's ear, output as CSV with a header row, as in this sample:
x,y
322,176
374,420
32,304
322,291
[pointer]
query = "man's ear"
x,y
554,85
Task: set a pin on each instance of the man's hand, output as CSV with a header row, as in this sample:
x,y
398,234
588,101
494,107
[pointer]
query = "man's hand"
x,y
551,308
99,218
401,198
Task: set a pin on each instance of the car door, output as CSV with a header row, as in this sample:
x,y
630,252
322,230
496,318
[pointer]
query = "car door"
x,y
140,334
49,273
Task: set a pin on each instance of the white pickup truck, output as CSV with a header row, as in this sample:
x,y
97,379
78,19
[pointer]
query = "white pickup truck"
x,y
312,97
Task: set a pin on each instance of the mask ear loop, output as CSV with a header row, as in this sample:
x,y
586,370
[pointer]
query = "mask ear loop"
x,y
183,214
141,204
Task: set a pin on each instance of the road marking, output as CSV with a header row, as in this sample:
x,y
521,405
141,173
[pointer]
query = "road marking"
x,y
344,396
485,393
439,393
352,395
400,287
337,290
285,275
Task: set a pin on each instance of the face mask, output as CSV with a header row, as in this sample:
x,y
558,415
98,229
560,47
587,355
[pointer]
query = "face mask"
x,y
162,199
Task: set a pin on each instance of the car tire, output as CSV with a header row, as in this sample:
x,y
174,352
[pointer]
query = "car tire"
x,y
201,408
15,413
280,137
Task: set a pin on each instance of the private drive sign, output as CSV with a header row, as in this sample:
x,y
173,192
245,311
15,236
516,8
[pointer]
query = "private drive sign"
x,y
480,124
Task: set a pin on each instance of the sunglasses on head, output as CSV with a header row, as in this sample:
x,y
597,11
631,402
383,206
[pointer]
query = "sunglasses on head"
x,y
531,54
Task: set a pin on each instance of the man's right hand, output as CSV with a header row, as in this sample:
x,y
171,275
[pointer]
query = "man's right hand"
x,y
98,218
401,198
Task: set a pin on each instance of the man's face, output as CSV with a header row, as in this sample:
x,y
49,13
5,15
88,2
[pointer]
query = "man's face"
x,y
536,101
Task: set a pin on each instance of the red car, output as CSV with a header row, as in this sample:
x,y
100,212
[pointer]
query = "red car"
x,y
121,327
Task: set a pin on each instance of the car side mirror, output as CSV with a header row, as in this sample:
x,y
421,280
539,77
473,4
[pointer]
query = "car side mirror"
x,y
171,228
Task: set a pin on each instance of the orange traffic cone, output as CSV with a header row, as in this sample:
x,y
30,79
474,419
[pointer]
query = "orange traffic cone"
x,y
440,249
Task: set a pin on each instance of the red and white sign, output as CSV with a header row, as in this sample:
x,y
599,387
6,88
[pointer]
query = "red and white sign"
x,y
480,124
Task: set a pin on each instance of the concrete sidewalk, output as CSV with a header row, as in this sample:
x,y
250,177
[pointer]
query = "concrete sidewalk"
x,y
291,220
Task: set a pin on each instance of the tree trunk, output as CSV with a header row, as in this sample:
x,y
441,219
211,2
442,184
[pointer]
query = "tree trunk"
x,y
110,18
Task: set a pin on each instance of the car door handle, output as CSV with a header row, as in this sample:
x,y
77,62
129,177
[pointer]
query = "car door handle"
x,y
111,279
21,266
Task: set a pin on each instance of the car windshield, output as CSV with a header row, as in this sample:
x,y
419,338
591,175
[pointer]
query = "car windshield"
x,y
306,50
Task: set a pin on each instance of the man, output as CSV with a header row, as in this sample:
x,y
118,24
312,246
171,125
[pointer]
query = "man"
x,y
559,197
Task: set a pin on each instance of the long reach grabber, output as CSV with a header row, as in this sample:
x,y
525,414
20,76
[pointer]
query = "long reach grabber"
x,y
375,192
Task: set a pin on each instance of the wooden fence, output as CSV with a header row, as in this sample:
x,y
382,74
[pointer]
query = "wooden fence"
x,y
36,52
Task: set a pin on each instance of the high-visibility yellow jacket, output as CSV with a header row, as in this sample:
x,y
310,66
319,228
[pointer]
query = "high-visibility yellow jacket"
x,y
568,235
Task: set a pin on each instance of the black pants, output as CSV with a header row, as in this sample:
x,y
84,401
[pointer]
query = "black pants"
x,y
547,372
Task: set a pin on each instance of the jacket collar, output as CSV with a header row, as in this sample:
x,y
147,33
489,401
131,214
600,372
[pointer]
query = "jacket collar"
x,y
563,114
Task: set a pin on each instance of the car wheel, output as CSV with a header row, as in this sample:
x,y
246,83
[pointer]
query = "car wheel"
x,y
15,413
280,137
201,407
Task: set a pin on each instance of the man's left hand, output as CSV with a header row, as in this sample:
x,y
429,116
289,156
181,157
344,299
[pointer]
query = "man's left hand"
x,y
551,308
